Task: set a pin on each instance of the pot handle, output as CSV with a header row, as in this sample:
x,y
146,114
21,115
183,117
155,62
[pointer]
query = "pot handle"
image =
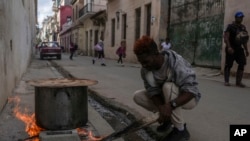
x,y
62,91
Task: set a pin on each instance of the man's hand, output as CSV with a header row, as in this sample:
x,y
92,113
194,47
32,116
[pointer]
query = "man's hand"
x,y
165,112
230,50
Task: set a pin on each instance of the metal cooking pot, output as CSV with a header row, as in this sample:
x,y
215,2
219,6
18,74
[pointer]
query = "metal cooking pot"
x,y
61,104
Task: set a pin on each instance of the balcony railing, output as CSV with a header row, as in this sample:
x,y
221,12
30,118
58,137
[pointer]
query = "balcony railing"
x,y
91,8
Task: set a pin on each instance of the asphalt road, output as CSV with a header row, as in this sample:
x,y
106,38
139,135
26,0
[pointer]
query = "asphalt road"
x,y
219,107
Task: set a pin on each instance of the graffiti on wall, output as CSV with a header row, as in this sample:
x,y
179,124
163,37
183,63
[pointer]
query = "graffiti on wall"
x,y
196,30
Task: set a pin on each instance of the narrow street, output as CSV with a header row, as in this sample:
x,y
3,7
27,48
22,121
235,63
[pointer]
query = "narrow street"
x,y
204,33
219,107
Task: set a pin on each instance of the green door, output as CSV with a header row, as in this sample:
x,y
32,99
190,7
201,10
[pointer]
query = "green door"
x,y
196,30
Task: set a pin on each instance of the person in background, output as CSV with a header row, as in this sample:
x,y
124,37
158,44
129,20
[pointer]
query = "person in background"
x,y
170,86
236,38
166,44
99,53
62,48
37,48
76,48
72,50
121,52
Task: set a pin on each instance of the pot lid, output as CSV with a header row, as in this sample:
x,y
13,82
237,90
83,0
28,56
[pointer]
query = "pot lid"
x,y
62,82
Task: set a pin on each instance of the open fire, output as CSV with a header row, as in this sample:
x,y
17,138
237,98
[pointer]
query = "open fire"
x,y
33,130
29,119
88,134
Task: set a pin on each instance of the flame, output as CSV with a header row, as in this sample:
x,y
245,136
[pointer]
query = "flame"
x,y
29,119
89,134
33,130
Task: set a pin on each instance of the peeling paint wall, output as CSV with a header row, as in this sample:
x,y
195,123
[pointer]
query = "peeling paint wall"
x,y
17,32
196,29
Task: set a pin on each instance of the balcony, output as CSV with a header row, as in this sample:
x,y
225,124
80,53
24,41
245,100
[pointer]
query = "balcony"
x,y
89,10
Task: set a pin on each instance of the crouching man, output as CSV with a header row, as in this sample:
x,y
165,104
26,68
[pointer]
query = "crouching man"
x,y
170,86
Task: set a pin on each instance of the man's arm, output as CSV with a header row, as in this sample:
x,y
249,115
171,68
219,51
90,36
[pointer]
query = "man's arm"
x,y
149,83
183,98
156,96
246,49
228,45
165,109
226,38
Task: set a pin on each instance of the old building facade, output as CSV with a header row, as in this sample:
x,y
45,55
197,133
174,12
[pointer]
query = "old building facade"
x,y
48,30
195,27
85,30
62,11
18,20
129,20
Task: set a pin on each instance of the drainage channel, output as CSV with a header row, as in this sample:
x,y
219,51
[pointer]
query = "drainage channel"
x,y
118,120
116,117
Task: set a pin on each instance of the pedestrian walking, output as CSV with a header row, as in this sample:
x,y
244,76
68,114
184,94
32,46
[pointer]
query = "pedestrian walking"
x,y
170,86
72,50
76,49
236,38
99,53
121,52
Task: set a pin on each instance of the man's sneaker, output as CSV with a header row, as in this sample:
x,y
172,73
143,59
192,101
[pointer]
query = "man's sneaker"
x,y
103,64
176,135
164,126
93,61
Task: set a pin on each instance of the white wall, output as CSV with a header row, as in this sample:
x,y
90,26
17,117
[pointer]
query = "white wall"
x,y
17,32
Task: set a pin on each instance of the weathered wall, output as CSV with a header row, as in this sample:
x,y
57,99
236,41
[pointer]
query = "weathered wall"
x,y
128,7
231,6
65,40
88,36
17,32
196,29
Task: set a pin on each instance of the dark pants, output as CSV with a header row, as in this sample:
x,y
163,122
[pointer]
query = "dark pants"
x,y
239,57
71,54
100,54
120,59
